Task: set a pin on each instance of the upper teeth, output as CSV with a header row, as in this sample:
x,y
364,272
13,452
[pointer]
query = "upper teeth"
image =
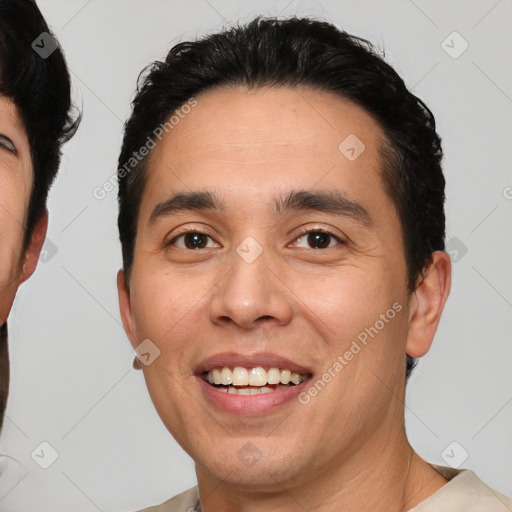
x,y
252,377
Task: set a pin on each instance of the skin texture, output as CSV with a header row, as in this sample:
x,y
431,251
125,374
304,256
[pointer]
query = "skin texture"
x,y
16,177
347,446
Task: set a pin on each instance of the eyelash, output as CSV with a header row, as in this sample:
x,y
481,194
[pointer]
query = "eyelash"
x,y
303,232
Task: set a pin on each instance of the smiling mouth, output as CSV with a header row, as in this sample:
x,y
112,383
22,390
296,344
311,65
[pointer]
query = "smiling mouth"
x,y
253,381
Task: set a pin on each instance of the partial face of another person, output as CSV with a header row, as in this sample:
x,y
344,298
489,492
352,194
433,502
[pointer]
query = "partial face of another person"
x,y
268,277
16,177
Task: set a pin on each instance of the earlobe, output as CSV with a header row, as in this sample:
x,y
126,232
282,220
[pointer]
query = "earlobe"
x,y
427,303
125,308
35,245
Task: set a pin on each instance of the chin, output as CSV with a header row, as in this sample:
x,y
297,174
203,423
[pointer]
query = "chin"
x,y
263,469
263,477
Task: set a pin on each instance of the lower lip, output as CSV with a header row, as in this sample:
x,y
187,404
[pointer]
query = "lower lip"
x,y
249,405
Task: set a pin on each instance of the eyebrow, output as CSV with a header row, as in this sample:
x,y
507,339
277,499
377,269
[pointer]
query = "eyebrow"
x,y
326,201
7,143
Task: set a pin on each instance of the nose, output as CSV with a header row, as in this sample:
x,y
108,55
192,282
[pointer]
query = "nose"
x,y
250,294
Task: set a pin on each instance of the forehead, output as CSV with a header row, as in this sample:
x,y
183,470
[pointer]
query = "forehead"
x,y
257,141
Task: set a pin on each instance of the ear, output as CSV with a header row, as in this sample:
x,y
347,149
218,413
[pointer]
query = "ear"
x,y
35,245
125,306
427,302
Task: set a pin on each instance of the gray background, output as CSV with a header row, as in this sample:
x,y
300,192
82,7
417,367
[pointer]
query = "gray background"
x,y
72,382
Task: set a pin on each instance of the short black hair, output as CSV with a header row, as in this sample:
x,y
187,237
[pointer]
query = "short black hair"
x,y
299,52
41,90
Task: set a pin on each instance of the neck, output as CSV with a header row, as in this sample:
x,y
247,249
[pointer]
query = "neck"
x,y
391,479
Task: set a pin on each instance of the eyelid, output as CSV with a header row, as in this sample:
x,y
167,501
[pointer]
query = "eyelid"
x,y
7,144
314,229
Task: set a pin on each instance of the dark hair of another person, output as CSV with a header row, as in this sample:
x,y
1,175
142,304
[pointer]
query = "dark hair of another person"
x,y
41,90
300,52
4,371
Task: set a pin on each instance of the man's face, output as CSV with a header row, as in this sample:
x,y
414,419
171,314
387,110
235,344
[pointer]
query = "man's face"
x,y
16,177
253,287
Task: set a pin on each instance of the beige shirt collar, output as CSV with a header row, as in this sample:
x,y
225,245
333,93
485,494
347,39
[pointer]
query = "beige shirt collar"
x,y
464,492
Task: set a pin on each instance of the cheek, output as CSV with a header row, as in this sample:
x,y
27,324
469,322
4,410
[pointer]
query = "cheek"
x,y
347,298
14,199
365,326
7,293
359,316
11,240
163,304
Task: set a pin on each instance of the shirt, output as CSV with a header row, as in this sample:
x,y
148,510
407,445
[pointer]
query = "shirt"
x,y
464,492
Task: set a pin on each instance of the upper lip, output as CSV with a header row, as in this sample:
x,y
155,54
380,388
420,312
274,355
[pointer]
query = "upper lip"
x,y
257,359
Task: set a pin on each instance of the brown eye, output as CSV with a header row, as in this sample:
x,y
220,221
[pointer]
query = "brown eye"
x,y
192,240
318,239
